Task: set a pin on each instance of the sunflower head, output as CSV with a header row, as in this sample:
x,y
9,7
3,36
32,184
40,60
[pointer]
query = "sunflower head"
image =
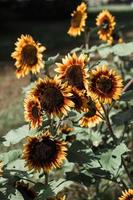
x,y
105,84
33,111
43,152
1,168
115,38
92,117
28,56
106,23
54,96
78,20
73,70
127,195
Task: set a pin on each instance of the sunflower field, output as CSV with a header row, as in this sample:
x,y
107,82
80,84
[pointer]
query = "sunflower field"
x,y
77,140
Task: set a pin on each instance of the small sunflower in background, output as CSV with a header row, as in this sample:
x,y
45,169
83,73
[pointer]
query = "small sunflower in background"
x,y
115,38
73,70
92,117
105,84
33,111
1,168
53,96
78,20
28,56
79,99
127,195
106,23
44,153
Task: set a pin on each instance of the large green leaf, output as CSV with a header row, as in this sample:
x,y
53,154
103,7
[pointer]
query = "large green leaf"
x,y
127,96
80,178
111,160
43,191
11,156
123,117
79,153
16,135
124,49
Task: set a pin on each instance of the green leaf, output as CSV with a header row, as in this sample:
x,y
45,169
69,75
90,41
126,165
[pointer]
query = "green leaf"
x,y
15,136
124,49
43,191
17,196
51,60
127,96
111,160
26,89
123,117
80,178
10,156
104,50
79,153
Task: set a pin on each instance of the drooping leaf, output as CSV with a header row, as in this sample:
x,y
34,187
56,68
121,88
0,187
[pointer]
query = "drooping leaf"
x,y
79,153
124,49
127,96
80,178
16,135
111,160
123,117
10,156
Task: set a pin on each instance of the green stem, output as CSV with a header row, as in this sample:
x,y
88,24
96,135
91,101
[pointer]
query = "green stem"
x,y
109,124
126,170
46,178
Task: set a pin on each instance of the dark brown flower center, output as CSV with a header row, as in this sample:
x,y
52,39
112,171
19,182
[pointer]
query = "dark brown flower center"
x,y
76,19
104,84
105,24
74,76
35,112
29,55
129,197
51,99
43,151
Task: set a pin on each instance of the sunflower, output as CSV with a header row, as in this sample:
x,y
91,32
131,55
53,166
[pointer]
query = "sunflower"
x,y
79,99
28,56
78,20
127,195
53,96
1,166
106,23
24,189
105,84
92,117
115,38
43,152
32,111
73,70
